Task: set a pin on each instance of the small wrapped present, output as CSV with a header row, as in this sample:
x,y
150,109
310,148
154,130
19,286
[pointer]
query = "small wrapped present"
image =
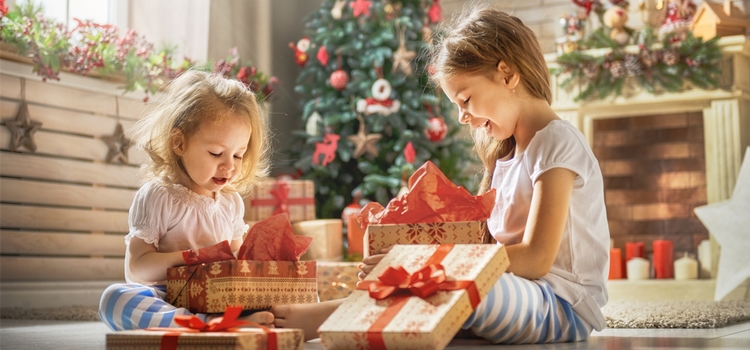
x,y
417,297
462,232
220,333
327,237
267,272
294,197
432,211
336,280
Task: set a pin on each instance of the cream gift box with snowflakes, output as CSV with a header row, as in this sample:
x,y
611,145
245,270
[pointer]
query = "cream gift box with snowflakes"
x,y
434,290
252,284
379,236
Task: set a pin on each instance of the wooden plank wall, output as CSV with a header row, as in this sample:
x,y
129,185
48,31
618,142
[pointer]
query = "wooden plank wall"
x,y
63,209
654,172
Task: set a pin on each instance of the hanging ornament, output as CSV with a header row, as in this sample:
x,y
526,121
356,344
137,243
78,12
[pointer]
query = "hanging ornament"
x,y
402,57
435,12
336,9
339,79
361,7
409,153
364,142
437,130
117,143
300,50
391,10
312,123
22,128
323,55
380,102
327,149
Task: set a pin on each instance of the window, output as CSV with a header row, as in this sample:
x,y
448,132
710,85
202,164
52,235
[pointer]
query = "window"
x,y
99,11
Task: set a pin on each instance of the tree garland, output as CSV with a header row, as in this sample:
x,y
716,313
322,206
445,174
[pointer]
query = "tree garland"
x,y
656,68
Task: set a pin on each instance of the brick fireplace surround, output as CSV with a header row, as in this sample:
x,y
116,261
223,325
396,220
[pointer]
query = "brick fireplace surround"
x,y
663,155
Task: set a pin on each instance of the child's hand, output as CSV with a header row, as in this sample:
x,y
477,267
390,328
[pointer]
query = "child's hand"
x,y
217,252
368,263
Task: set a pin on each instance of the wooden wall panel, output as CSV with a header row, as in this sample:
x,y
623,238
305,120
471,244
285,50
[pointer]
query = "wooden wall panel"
x,y
56,194
61,269
61,244
67,170
41,218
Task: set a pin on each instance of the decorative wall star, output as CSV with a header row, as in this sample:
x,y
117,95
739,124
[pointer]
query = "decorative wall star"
x,y
728,221
22,129
118,146
364,142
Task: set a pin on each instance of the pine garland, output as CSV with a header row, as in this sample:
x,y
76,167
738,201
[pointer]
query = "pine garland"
x,y
656,68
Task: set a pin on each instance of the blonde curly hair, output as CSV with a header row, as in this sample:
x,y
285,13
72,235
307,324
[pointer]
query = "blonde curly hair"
x,y
190,100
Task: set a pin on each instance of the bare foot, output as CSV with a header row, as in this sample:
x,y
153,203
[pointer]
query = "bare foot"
x,y
263,318
307,317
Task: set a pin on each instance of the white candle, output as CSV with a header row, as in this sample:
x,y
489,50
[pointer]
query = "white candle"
x,y
704,257
685,268
638,269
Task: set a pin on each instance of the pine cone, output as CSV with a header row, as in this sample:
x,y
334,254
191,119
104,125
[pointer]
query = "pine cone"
x,y
649,58
670,57
633,65
591,70
617,69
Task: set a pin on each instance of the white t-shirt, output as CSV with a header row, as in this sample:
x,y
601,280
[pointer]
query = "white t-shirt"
x,y
580,270
173,218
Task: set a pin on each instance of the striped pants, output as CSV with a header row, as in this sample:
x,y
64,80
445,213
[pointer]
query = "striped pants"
x,y
126,306
522,311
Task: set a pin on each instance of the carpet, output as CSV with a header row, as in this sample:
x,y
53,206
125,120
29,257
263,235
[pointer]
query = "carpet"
x,y
622,314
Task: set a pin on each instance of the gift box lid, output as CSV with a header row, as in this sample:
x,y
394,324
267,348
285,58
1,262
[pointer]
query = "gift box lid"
x,y
242,338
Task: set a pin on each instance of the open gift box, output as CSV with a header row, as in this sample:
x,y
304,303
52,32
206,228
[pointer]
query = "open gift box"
x,y
461,275
379,236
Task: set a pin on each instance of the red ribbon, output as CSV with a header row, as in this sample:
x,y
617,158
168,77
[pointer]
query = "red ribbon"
x,y
226,323
397,282
384,103
281,199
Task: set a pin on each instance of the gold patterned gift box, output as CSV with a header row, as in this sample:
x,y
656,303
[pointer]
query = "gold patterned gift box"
x,y
243,338
252,284
462,274
379,236
327,243
336,280
295,197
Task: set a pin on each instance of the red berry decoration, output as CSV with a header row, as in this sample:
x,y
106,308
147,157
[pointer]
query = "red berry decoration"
x,y
339,79
437,129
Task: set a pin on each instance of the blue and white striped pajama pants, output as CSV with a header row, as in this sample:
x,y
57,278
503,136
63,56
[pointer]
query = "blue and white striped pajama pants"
x,y
127,306
522,311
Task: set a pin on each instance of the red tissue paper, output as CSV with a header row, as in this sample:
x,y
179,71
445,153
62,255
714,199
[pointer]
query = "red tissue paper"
x,y
432,197
273,239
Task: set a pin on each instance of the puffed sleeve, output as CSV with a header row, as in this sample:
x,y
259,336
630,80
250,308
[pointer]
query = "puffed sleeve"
x,y
561,146
239,227
149,214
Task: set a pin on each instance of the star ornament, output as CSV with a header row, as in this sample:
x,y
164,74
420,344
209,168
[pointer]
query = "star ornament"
x,y
22,129
402,59
728,222
363,142
118,146
361,7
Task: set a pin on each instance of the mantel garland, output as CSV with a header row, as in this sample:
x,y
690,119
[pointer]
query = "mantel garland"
x,y
656,67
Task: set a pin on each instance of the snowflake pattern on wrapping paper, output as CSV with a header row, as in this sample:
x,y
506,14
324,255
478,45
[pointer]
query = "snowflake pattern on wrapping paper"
x,y
461,270
360,341
412,329
266,299
285,299
412,233
369,318
436,230
216,305
419,260
477,251
231,299
276,298
243,299
295,299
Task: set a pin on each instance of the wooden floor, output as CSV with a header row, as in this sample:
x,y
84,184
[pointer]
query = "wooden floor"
x,y
29,334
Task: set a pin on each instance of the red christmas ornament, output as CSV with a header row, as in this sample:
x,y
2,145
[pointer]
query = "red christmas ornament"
x,y
437,129
435,12
323,55
409,153
327,149
361,7
339,79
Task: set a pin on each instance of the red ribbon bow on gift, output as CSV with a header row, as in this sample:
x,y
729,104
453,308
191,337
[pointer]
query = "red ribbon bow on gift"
x,y
226,323
281,193
395,279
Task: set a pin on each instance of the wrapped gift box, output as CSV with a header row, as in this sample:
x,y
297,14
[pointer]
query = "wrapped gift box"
x,y
295,197
406,321
327,243
379,236
243,338
336,280
252,284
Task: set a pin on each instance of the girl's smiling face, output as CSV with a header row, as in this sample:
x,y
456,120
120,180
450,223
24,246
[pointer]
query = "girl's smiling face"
x,y
485,102
212,157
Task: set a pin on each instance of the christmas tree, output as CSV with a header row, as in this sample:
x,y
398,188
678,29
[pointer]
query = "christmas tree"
x,y
370,114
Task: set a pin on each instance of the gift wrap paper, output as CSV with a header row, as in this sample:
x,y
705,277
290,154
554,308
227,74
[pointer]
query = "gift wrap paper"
x,y
243,338
252,284
336,280
327,243
428,323
379,236
295,197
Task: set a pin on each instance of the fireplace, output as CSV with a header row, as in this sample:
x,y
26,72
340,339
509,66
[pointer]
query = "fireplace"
x,y
663,155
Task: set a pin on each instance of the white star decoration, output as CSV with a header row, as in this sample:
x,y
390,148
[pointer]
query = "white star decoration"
x,y
118,146
729,222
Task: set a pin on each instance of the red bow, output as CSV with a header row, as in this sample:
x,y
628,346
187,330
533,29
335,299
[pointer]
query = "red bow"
x,y
422,283
281,193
